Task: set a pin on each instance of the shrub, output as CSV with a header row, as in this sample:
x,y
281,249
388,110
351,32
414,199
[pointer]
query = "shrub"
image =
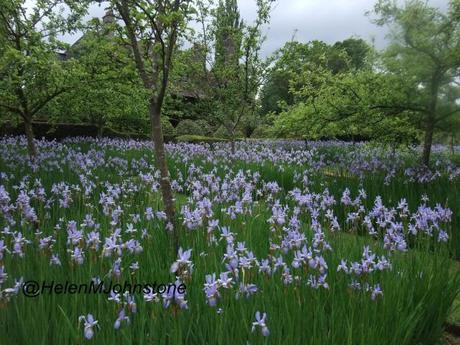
x,y
205,127
190,127
128,123
222,132
262,132
113,133
199,139
169,132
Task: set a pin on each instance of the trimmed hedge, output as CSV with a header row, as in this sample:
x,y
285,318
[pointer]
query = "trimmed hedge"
x,y
63,130
52,131
112,133
199,139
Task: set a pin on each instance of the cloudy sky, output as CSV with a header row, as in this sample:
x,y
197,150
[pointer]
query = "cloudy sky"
x,y
326,20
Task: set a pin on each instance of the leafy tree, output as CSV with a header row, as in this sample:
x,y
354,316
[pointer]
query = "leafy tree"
x,y
236,71
357,53
348,105
151,29
187,99
290,60
31,73
425,53
287,61
414,88
114,96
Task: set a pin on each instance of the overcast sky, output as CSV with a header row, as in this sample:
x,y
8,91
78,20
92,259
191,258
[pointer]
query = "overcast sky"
x,y
326,20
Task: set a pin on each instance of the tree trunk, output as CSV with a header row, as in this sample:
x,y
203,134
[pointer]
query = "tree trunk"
x,y
160,160
427,143
232,140
100,130
431,119
30,138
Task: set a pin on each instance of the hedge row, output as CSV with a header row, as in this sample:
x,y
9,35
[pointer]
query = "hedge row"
x,y
63,130
199,139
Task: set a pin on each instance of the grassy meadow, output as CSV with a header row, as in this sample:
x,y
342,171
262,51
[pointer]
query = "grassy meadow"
x,y
271,229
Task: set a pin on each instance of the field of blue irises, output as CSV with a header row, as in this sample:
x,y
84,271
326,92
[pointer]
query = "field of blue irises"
x,y
280,243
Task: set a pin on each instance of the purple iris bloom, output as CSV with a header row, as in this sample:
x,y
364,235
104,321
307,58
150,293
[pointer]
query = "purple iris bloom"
x,y
89,324
121,317
261,322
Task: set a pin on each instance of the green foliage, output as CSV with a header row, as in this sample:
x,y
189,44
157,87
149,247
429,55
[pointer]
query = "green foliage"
x,y
406,94
262,132
169,132
357,54
410,92
190,127
32,74
290,60
114,96
199,139
236,68
205,127
344,90
186,98
300,122
346,105
222,132
425,54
